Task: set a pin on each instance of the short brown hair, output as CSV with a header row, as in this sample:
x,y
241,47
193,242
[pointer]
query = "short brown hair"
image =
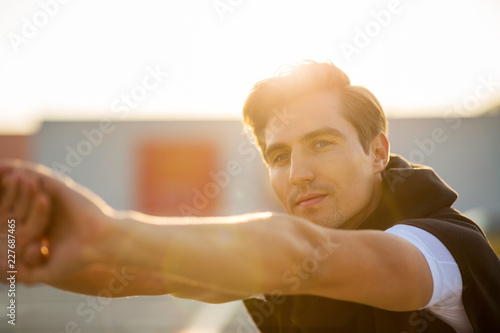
x,y
291,82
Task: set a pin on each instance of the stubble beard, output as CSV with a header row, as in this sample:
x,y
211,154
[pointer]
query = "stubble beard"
x,y
329,217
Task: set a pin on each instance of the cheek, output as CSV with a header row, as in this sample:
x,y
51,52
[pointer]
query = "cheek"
x,y
353,178
360,184
279,183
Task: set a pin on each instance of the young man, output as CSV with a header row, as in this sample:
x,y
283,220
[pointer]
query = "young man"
x,y
370,242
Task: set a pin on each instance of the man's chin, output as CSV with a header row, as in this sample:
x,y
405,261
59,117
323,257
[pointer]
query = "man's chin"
x,y
322,220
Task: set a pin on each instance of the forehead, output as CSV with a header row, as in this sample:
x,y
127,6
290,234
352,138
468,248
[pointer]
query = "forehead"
x,y
306,115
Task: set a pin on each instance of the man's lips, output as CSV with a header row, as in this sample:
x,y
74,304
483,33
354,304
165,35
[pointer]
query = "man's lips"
x,y
309,200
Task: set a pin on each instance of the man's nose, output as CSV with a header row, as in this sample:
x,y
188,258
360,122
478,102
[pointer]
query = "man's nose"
x,y
300,169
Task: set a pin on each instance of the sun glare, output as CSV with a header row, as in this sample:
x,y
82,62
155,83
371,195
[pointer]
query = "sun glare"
x,y
76,60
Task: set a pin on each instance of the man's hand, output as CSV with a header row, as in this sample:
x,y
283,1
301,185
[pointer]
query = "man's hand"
x,y
73,228
26,209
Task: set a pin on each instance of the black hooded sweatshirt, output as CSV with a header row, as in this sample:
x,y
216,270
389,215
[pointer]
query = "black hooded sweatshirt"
x,y
414,195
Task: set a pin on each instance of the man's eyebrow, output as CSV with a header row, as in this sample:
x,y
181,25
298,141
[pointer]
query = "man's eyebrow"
x,y
323,131
306,137
272,148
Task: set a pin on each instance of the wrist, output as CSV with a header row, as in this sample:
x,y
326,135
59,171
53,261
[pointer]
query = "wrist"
x,y
108,239
128,241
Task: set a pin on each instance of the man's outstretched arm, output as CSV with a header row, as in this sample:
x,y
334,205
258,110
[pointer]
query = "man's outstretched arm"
x,y
280,254
27,206
238,256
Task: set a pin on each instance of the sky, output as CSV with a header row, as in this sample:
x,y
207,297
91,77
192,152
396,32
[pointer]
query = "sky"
x,y
152,59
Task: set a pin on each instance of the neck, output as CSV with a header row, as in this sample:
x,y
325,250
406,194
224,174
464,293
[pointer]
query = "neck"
x,y
356,220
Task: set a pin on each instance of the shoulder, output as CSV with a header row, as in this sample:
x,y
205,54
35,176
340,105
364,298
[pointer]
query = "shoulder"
x,y
449,234
446,301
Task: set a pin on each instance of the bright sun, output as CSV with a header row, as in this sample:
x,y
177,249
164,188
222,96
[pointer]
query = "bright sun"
x,y
75,59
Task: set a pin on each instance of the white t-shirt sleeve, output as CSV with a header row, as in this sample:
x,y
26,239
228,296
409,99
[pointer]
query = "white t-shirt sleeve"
x,y
446,301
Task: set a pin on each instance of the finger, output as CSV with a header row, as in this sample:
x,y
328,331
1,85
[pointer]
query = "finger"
x,y
6,167
10,186
36,253
31,276
4,172
10,166
24,198
31,259
40,273
32,255
3,258
37,220
24,273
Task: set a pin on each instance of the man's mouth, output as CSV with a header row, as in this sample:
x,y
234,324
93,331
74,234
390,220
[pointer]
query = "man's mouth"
x,y
309,200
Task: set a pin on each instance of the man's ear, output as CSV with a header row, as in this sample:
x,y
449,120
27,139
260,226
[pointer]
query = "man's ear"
x,y
380,150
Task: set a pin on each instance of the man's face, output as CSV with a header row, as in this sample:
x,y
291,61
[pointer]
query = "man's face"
x,y
317,164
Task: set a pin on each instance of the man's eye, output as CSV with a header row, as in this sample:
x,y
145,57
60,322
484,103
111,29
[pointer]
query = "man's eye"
x,y
280,157
321,144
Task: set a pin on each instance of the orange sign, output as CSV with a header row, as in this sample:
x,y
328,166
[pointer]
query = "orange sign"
x,y
174,179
